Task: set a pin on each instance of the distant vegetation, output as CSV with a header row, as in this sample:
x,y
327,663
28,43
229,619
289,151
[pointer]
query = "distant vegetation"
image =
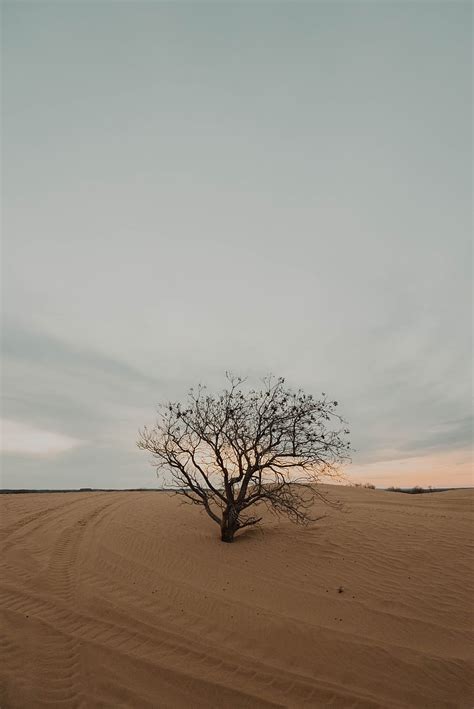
x,y
417,490
12,491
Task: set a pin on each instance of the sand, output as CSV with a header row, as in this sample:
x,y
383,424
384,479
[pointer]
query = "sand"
x,y
128,599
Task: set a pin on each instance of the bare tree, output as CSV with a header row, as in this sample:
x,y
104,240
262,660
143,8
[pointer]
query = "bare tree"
x,y
230,451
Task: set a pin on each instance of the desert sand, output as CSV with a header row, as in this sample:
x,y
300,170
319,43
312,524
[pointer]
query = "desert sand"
x,y
129,599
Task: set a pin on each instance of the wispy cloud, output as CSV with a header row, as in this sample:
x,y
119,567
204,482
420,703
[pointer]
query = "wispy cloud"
x,y
50,384
20,438
84,409
75,405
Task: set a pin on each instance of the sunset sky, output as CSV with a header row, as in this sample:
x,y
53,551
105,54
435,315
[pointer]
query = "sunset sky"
x,y
190,188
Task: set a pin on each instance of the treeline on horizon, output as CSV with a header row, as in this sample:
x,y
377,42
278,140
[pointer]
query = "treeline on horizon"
x,y
417,490
13,491
410,491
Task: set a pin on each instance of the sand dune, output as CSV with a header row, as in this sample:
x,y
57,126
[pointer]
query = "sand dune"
x,y
129,600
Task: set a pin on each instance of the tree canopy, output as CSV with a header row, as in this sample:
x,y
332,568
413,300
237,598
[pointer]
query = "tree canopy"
x,y
231,451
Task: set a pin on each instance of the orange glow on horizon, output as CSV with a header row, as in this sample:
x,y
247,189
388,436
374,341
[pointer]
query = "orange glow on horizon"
x,y
450,469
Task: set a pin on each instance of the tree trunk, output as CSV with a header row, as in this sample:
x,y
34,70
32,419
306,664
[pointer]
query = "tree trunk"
x,y
229,525
227,534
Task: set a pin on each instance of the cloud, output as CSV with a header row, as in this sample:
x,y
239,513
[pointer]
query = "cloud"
x,y
17,437
83,409
51,385
326,239
445,435
71,414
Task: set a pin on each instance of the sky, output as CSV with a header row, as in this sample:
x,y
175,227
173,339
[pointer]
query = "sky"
x,y
190,188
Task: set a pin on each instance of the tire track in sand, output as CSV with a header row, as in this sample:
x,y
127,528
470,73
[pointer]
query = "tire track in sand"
x,y
56,661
